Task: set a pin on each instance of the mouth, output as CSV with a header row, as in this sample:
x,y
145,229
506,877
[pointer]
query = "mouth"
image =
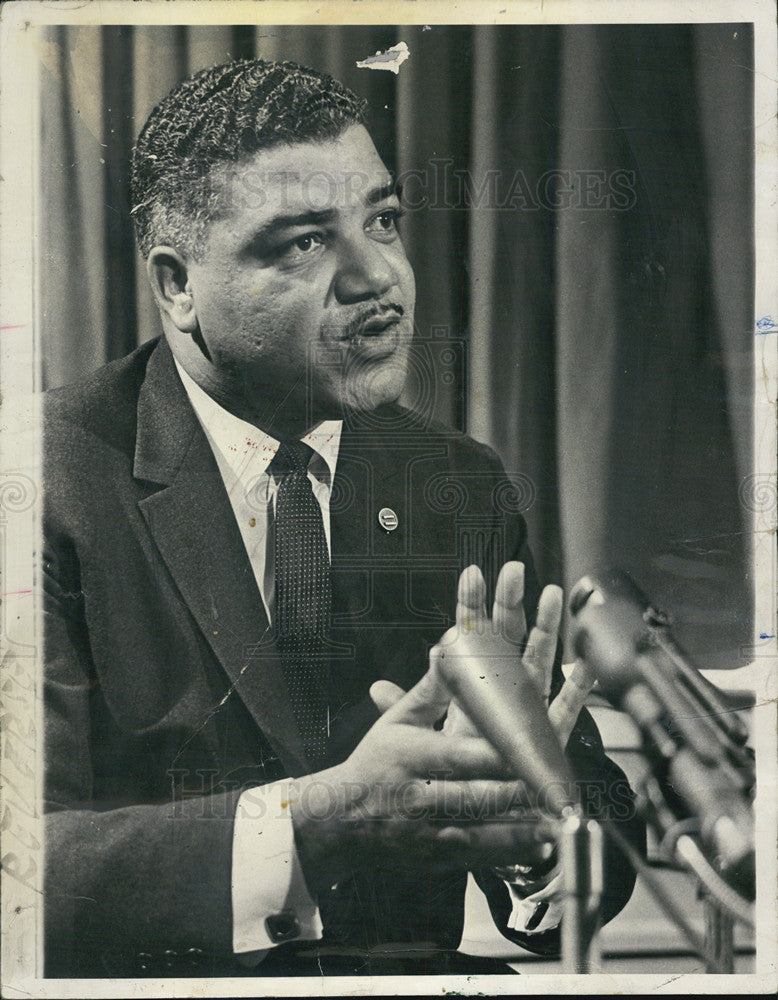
x,y
378,336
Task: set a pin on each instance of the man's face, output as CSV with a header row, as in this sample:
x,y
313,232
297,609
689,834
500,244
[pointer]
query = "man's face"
x,y
304,295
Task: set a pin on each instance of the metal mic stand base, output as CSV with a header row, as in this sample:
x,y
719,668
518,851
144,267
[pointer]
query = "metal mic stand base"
x,y
719,937
580,854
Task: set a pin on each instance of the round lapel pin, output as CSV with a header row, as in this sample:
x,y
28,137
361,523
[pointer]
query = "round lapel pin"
x,y
387,519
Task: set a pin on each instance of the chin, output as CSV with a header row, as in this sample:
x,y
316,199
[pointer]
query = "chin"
x,y
376,388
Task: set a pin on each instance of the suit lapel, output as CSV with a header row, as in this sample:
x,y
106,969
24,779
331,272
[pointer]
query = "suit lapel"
x,y
193,525
371,475
388,467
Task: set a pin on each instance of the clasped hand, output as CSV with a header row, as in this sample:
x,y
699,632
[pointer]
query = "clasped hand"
x,y
442,793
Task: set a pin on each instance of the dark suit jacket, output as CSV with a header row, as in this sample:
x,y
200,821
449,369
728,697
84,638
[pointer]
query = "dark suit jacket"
x,y
164,695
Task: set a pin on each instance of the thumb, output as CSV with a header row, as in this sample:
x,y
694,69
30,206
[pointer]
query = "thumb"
x,y
385,694
426,702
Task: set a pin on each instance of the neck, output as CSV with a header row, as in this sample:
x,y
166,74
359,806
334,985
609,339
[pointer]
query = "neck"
x,y
283,416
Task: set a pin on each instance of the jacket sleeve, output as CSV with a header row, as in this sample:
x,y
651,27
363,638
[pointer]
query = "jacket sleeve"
x,y
118,876
604,793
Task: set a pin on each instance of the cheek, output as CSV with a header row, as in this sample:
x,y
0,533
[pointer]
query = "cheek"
x,y
250,312
407,277
282,302
406,281
217,306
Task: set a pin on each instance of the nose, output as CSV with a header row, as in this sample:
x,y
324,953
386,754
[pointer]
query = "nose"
x,y
363,271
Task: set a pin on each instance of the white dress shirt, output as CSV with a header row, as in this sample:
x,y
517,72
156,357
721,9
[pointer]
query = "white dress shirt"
x,y
263,837
266,875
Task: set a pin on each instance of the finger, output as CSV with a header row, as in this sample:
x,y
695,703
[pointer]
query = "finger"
x,y
458,722
565,708
443,846
426,702
471,600
385,694
448,800
442,757
541,646
494,843
508,613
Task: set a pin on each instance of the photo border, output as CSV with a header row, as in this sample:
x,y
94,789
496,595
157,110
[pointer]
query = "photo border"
x,y
20,479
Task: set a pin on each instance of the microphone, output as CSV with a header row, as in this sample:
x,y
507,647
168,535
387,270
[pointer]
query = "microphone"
x,y
694,743
504,703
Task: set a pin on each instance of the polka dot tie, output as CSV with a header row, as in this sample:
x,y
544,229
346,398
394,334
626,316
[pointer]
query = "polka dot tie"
x,y
302,592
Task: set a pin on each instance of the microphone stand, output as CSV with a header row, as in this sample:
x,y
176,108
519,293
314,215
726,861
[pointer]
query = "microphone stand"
x,y
580,844
719,937
697,793
712,952
580,853
702,756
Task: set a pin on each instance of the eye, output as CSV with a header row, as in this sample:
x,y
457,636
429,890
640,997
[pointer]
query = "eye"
x,y
307,242
386,221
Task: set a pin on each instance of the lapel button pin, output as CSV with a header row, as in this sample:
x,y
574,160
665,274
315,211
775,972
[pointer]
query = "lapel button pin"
x,y
387,519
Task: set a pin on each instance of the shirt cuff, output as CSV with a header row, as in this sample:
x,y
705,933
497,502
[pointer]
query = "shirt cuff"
x,y
270,900
539,912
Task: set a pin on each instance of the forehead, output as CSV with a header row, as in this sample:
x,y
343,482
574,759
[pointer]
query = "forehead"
x,y
313,176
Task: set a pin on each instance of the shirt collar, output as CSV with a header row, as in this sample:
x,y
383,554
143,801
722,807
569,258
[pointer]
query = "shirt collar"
x,y
237,439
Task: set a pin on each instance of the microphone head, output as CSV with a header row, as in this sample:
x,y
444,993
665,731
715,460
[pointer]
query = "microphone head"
x,y
611,618
694,748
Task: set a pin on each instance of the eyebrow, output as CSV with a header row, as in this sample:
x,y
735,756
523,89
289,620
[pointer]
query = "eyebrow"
x,y
311,217
382,192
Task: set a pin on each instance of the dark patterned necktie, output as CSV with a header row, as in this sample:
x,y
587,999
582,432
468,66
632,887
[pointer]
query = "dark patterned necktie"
x,y
302,593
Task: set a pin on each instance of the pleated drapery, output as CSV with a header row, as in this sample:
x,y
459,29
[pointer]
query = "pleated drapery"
x,y
581,234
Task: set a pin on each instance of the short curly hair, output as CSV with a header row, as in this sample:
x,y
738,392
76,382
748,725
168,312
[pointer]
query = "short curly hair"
x,y
220,116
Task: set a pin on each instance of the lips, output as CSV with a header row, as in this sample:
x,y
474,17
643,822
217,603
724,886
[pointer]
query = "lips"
x,y
377,337
376,346
377,324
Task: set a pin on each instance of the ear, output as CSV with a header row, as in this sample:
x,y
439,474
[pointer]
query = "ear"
x,y
170,284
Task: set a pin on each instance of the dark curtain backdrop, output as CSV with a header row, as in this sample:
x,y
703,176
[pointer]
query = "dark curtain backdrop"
x,y
584,263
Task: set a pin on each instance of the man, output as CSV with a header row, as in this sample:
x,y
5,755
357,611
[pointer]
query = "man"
x,y
250,551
